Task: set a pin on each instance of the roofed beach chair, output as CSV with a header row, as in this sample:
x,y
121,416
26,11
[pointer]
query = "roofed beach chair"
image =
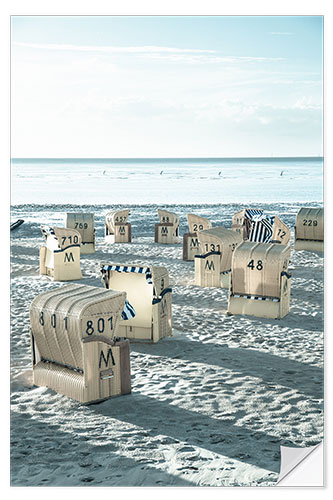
x,y
84,224
190,240
167,231
117,229
260,282
309,229
60,257
213,263
74,348
256,226
149,293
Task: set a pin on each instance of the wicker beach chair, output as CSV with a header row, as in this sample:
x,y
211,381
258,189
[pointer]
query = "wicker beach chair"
x,y
148,291
84,224
213,263
74,348
255,226
309,229
260,282
60,257
167,231
117,229
190,239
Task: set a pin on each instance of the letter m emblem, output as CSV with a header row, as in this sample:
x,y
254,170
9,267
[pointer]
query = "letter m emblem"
x,y
209,266
194,243
68,257
106,359
163,307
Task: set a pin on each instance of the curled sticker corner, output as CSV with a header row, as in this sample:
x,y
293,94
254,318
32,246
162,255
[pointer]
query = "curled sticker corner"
x,y
294,467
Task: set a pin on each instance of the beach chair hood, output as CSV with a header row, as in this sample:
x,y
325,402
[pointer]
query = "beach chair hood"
x,y
115,217
61,236
196,223
219,240
168,217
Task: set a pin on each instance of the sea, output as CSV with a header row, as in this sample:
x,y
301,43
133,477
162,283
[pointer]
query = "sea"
x,y
185,181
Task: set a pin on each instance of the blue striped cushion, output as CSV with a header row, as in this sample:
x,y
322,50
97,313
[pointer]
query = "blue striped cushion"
x,y
130,269
128,311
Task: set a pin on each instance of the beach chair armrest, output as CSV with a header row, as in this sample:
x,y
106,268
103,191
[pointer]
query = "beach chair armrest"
x,y
98,338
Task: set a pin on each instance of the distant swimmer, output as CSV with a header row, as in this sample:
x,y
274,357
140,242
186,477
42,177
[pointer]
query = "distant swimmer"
x,y
282,172
104,172
161,172
220,173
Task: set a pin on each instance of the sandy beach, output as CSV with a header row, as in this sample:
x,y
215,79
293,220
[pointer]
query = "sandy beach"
x,y
201,114
209,406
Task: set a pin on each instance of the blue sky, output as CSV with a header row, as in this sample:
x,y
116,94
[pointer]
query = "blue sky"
x,y
206,86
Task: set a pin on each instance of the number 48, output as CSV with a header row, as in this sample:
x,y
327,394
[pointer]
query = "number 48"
x,y
252,265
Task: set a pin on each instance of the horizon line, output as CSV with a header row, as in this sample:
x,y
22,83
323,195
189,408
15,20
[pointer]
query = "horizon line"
x,y
168,158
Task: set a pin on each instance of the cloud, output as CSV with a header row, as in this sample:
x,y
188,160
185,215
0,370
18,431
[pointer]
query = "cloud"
x,y
236,111
211,59
209,110
306,103
144,49
170,54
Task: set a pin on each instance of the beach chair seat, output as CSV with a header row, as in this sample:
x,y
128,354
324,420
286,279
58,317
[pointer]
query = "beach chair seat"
x,y
254,225
309,229
74,347
59,259
167,231
148,291
260,282
213,263
117,229
84,224
190,239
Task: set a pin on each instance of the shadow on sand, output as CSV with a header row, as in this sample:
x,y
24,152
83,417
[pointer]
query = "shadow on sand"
x,y
271,369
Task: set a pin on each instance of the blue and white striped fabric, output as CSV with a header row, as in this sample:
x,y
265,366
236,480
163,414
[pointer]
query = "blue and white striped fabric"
x,y
130,269
254,297
47,230
261,228
250,213
128,311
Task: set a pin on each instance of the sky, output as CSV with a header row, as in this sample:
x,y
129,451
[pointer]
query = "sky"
x,y
166,86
